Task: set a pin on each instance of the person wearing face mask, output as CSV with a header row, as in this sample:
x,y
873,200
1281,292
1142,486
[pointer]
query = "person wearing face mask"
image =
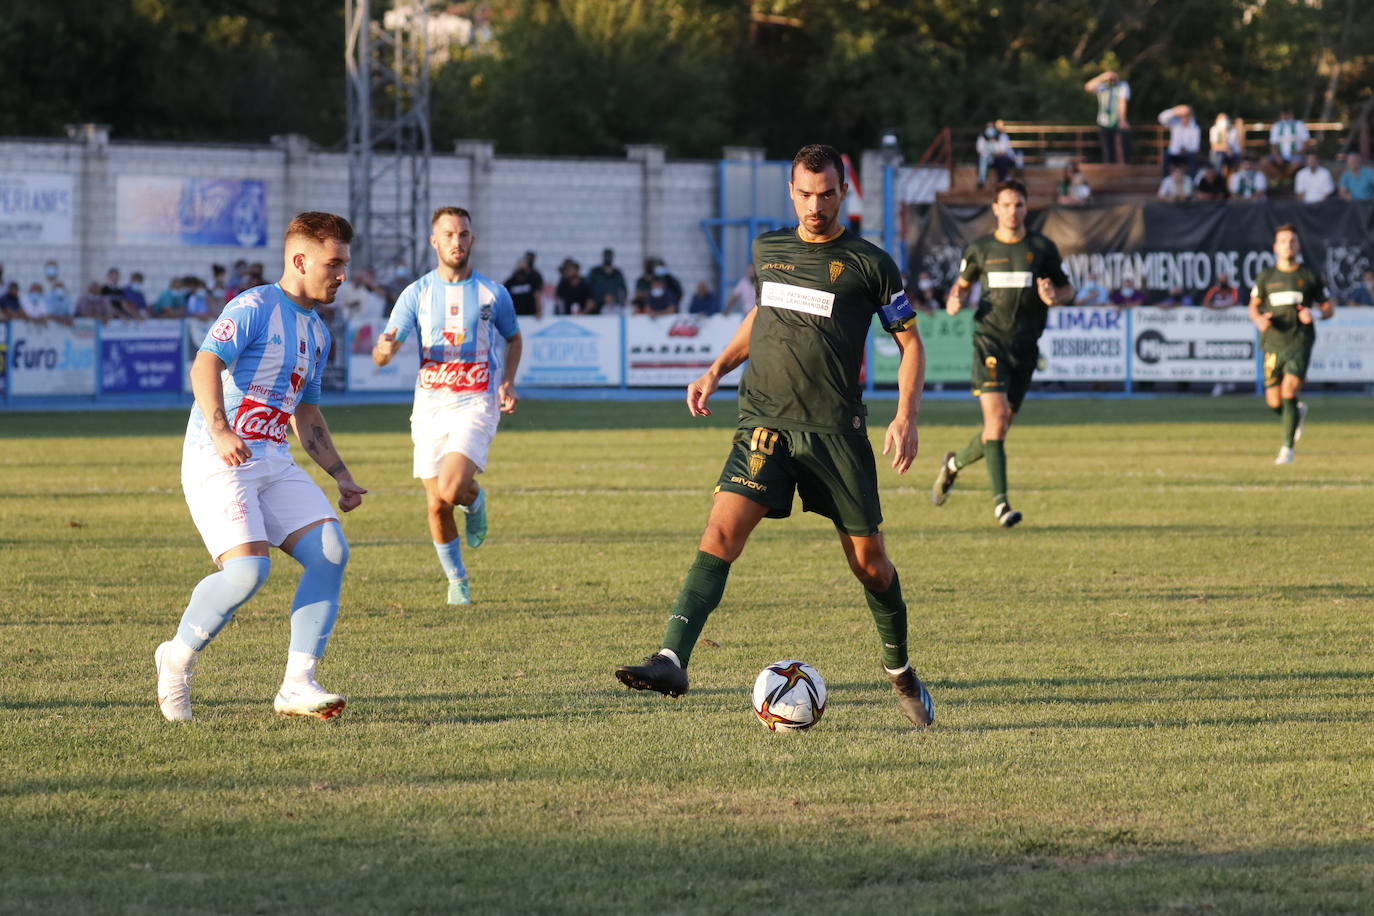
x,y
133,293
57,302
606,279
1127,295
995,149
35,302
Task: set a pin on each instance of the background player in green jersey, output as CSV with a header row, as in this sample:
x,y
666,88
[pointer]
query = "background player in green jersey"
x,y
801,421
1281,307
1022,276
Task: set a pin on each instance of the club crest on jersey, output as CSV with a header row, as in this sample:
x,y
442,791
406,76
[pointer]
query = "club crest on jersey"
x,y
454,337
485,313
303,349
256,421
224,330
836,268
456,377
453,311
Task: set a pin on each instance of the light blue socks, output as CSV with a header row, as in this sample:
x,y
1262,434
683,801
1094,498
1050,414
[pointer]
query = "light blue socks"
x,y
451,559
324,554
217,597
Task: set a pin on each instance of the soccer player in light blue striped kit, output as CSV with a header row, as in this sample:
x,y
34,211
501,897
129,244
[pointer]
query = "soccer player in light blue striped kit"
x,y
258,373
470,346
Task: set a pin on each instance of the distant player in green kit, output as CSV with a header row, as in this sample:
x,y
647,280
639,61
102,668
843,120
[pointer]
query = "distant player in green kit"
x,y
801,421
1281,307
1022,277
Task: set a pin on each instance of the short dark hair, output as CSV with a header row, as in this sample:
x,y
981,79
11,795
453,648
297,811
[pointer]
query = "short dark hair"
x,y
1011,184
1286,227
322,227
816,157
458,212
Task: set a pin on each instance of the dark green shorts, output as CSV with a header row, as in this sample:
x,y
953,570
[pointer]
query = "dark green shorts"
x,y
995,368
1292,361
836,475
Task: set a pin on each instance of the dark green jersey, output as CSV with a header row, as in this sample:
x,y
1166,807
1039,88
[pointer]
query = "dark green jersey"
x,y
816,303
1281,293
1011,309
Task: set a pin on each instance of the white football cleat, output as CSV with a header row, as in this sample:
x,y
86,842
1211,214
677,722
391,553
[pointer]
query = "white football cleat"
x,y
1285,455
307,699
173,685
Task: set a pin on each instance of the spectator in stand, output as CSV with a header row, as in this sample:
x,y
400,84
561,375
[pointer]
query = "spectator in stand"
x,y
11,306
1176,187
94,304
995,149
198,298
1126,296
1313,183
219,284
573,295
171,303
360,298
1092,292
35,302
605,280
133,294
1363,293
58,303
1287,145
49,271
1210,184
672,282
1073,186
255,277
1185,138
122,307
1236,141
1357,182
1221,294
1219,144
1176,297
525,285
743,296
704,301
1248,182
1113,130
923,296
660,299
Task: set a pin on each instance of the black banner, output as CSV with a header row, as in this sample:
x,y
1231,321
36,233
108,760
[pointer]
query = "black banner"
x,y
1157,246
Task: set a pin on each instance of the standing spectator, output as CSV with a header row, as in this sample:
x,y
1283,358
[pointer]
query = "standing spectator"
x,y
11,306
525,285
1287,143
1092,292
171,303
606,279
1210,184
995,149
58,304
743,294
1236,141
1313,182
1176,186
1363,293
49,271
573,294
1073,186
1248,182
35,302
360,298
1357,182
704,301
1113,129
1219,144
94,304
1185,138
1221,294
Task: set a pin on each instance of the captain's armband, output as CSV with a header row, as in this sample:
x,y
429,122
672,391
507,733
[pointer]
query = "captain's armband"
x,y
897,315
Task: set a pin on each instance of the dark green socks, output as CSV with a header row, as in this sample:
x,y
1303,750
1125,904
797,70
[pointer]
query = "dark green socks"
x,y
700,594
889,613
970,452
996,454
1289,411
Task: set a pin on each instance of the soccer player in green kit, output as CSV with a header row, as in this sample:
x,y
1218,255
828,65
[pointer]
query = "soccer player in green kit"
x,y
1022,276
801,421
1281,307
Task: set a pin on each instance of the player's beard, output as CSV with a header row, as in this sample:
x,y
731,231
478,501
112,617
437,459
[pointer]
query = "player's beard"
x,y
459,264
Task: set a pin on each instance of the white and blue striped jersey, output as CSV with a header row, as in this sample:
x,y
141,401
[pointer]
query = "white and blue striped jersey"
x,y
462,358
274,353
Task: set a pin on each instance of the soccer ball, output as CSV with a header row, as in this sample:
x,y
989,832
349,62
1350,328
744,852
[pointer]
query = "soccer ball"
x,y
789,695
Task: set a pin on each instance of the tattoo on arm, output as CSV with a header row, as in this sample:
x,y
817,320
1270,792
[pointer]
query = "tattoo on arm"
x,y
336,470
219,420
318,440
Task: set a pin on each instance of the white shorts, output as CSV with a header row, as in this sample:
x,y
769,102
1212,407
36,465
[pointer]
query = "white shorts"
x,y
265,499
468,431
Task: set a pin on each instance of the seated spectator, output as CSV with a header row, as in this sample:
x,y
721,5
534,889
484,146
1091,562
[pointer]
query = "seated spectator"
x,y
1073,186
1126,296
743,295
660,299
1363,293
1219,144
704,301
1092,292
995,149
11,306
35,302
1287,145
1313,182
1248,182
133,294
1221,294
611,304
1175,297
94,304
1209,184
172,301
606,278
674,285
1176,186
1357,182
573,294
1185,138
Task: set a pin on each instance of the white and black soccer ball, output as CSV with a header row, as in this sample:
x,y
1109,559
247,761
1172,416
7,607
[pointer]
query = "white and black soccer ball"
x,y
789,695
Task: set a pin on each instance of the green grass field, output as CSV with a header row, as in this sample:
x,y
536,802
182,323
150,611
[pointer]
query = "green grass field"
x,y
1155,696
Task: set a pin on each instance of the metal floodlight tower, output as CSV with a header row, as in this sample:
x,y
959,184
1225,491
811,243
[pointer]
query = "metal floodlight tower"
x,y
389,145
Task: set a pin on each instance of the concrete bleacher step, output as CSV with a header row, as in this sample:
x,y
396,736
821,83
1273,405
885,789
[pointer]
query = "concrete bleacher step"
x,y
1115,181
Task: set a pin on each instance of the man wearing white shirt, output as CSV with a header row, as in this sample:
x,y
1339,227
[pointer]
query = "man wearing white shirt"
x,y
1185,138
1313,183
